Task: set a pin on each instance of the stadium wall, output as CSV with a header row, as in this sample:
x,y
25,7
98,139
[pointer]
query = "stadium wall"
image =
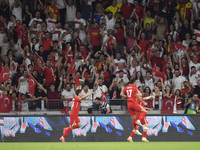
x,y
97,128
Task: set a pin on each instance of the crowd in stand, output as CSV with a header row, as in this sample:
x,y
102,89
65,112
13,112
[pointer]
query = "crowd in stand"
x,y
103,44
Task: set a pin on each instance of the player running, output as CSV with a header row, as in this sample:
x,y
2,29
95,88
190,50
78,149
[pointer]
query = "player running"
x,y
132,96
74,120
143,121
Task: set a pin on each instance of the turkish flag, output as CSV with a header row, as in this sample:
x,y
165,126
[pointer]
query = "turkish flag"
x,y
110,44
134,74
72,70
38,61
177,47
5,74
158,74
76,80
20,30
167,106
103,96
165,8
149,52
66,109
5,104
32,84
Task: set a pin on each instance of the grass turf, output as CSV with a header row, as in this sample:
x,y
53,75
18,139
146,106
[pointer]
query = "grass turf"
x,y
101,146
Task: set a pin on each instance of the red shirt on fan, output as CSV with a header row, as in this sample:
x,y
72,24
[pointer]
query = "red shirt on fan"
x,y
95,37
46,43
76,104
139,11
131,92
156,60
120,36
143,45
107,75
126,10
70,55
49,76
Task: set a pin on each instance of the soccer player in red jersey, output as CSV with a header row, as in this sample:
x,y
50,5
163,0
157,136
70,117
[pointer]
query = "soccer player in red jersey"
x,y
74,120
132,95
143,122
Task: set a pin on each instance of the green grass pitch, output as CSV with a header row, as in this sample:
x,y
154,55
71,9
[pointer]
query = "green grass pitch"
x,y
102,146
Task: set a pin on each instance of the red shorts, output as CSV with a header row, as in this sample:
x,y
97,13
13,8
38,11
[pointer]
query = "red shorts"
x,y
133,108
74,120
143,120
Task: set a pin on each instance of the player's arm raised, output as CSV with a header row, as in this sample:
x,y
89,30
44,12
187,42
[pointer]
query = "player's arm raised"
x,y
86,96
139,98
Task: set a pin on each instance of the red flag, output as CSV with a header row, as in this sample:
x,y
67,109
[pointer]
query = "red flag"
x,y
110,44
20,102
72,70
5,74
149,52
114,95
103,96
158,74
134,74
165,8
20,30
38,61
167,106
76,80
32,84
66,109
178,47
5,104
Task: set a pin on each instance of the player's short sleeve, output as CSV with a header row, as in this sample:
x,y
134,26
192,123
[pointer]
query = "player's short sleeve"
x,y
136,90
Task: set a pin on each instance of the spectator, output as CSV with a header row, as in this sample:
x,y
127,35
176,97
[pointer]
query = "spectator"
x,y
70,11
104,106
94,38
53,95
37,18
197,88
176,82
123,80
87,103
115,89
67,95
62,10
100,88
126,9
24,102
194,75
149,81
4,8
38,97
191,106
90,111
17,9
114,7
138,9
54,9
86,10
23,83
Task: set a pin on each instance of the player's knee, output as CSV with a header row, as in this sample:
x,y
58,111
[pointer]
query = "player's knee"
x,y
147,125
71,127
79,125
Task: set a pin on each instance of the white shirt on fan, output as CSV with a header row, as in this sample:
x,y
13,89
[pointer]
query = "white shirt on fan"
x,y
68,94
18,13
88,101
78,21
51,23
97,93
149,83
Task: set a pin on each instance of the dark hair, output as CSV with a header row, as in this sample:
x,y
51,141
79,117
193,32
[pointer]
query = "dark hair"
x,y
51,84
133,80
193,67
121,71
146,89
89,110
98,99
30,65
78,92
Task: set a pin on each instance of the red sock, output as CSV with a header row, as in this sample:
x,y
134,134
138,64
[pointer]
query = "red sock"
x,y
75,126
142,114
67,131
132,134
144,133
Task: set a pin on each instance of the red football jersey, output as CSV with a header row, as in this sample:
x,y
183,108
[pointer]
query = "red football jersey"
x,y
76,104
131,92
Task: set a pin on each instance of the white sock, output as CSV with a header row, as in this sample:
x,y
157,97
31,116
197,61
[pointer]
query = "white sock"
x,y
130,137
62,137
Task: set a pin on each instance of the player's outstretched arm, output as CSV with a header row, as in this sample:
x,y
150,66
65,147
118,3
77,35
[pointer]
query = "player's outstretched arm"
x,y
148,97
86,96
139,98
123,95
